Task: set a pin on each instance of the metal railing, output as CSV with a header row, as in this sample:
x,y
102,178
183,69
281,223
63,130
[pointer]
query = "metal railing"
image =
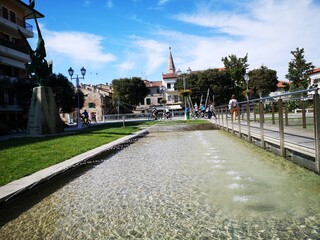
x,y
137,116
14,46
16,20
287,124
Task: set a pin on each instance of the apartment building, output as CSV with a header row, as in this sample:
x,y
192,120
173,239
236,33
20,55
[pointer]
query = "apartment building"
x,y
14,14
97,101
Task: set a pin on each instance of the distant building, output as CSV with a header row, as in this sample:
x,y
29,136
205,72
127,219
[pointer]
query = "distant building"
x,y
13,53
281,88
162,90
97,101
168,82
315,78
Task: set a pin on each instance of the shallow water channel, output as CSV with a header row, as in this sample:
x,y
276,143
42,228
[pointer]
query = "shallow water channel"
x,y
177,185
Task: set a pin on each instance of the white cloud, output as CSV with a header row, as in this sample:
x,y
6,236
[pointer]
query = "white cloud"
x,y
152,53
78,47
268,31
109,3
87,3
143,57
162,2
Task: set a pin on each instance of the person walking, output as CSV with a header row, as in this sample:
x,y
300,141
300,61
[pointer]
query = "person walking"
x,y
93,117
211,111
155,113
233,107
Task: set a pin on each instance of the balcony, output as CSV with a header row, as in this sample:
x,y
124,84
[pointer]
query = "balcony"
x,y
13,54
13,46
11,23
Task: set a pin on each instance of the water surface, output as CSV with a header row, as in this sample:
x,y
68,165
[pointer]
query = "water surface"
x,y
180,185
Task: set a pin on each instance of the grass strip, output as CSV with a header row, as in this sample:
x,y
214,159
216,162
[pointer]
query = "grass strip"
x,y
20,157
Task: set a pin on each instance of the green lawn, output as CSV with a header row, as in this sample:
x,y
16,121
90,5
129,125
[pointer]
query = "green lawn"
x,y
20,157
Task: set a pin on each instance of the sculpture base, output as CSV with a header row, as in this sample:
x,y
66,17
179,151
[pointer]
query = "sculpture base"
x,y
43,114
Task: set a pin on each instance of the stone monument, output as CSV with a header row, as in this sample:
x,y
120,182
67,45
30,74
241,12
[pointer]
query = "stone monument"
x,y
43,114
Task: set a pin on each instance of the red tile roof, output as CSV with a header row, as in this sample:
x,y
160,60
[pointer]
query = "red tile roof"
x,y
152,84
282,84
169,75
316,70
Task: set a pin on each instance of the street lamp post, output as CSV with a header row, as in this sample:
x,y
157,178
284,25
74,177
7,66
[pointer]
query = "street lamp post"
x,y
184,89
83,72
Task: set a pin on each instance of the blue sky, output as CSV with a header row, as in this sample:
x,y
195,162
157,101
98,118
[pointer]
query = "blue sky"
x,y
126,38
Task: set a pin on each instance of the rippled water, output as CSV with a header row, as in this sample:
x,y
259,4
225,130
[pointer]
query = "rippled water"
x,y
180,185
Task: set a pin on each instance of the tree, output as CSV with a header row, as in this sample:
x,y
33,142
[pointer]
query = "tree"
x,y
298,70
236,67
129,92
217,81
64,92
262,80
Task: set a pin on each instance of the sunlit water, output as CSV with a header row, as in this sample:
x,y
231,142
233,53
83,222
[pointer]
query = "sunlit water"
x,y
180,185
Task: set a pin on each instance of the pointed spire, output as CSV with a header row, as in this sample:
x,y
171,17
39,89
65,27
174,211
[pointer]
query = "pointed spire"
x,y
171,67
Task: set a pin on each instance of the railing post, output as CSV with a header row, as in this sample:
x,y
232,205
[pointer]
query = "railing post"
x,y
219,122
286,114
254,113
222,119
248,122
273,119
303,106
316,117
239,125
227,124
261,112
281,129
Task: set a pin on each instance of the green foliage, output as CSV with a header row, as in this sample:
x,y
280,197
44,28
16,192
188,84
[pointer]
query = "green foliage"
x,y
64,92
185,93
291,105
163,101
236,67
217,81
298,71
129,91
262,80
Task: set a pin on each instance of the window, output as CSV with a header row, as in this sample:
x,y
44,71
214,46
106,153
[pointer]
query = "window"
x,y
91,105
168,85
5,13
159,100
148,101
12,17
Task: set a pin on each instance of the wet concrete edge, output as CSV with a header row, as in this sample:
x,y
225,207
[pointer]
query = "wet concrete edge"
x,y
16,187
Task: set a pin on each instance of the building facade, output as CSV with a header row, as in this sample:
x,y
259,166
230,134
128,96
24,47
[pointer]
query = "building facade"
x,y
13,53
168,82
97,102
315,78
